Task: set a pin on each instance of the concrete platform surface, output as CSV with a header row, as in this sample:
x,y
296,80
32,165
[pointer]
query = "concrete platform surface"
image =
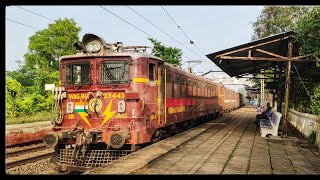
x,y
227,145
28,132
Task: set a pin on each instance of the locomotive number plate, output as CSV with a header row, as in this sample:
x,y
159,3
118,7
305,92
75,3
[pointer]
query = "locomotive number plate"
x,y
114,95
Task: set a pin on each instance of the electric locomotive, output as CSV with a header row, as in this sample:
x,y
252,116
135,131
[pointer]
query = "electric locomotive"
x,y
113,99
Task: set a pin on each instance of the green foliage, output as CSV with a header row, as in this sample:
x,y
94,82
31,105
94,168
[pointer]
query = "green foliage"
x,y
25,94
277,19
25,105
30,98
313,137
306,22
170,55
46,46
43,77
299,97
303,100
13,88
315,100
24,75
31,104
40,116
308,35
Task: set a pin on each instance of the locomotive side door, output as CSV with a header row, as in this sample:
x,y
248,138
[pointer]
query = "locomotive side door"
x,y
161,91
156,91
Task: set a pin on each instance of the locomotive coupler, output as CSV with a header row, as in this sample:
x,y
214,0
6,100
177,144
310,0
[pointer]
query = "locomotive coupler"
x,y
76,153
81,146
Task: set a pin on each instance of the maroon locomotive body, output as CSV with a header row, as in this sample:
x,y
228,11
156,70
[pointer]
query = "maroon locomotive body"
x,y
113,99
228,99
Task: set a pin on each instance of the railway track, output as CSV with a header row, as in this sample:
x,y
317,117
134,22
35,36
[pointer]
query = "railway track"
x,y
28,155
24,151
207,143
200,163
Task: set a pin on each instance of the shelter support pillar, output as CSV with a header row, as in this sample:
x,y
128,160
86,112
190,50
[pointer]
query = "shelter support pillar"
x,y
262,94
274,81
279,90
287,90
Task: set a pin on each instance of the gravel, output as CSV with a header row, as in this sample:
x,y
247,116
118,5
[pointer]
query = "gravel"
x,y
40,167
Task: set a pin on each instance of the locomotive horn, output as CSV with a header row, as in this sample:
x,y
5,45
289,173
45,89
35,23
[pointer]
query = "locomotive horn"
x,y
78,46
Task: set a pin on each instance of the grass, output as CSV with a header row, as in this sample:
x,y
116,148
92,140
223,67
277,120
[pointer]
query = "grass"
x,y
41,116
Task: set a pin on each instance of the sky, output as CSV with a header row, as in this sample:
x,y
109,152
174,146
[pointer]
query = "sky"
x,y
211,28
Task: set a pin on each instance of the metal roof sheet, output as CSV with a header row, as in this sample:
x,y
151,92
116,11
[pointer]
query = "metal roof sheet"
x,y
263,54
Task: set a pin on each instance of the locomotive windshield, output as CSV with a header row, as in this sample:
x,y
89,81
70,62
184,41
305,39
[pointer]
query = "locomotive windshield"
x,y
114,72
78,73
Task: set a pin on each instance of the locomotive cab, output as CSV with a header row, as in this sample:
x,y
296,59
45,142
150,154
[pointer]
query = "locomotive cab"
x,y
98,110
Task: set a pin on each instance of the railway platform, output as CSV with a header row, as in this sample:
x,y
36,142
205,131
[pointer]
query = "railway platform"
x,y
228,145
25,133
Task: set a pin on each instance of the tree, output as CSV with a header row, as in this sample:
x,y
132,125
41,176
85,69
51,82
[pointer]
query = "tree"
x,y
24,75
299,97
308,35
315,100
40,67
170,55
305,21
277,19
13,87
46,46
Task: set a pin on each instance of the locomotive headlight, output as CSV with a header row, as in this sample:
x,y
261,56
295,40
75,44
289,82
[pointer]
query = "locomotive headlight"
x,y
70,107
121,106
93,46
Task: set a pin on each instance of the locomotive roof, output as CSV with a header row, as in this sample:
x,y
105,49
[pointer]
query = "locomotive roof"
x,y
184,72
136,55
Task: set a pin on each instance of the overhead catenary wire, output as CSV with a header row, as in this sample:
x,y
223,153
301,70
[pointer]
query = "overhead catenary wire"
x,y
191,42
301,80
177,24
204,67
162,30
35,13
127,22
135,26
22,24
100,6
121,19
118,17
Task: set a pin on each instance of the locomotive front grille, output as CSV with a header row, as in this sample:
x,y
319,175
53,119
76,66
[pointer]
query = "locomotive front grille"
x,y
93,158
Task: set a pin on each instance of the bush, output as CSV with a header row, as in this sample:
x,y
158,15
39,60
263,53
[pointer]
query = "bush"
x,y
40,116
313,137
13,88
315,100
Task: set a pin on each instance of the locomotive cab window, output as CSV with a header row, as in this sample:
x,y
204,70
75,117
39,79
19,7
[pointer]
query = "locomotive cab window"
x,y
152,72
183,80
177,79
78,74
169,76
114,72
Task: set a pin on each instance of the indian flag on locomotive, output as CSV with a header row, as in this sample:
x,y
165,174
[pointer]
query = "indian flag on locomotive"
x,y
79,108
